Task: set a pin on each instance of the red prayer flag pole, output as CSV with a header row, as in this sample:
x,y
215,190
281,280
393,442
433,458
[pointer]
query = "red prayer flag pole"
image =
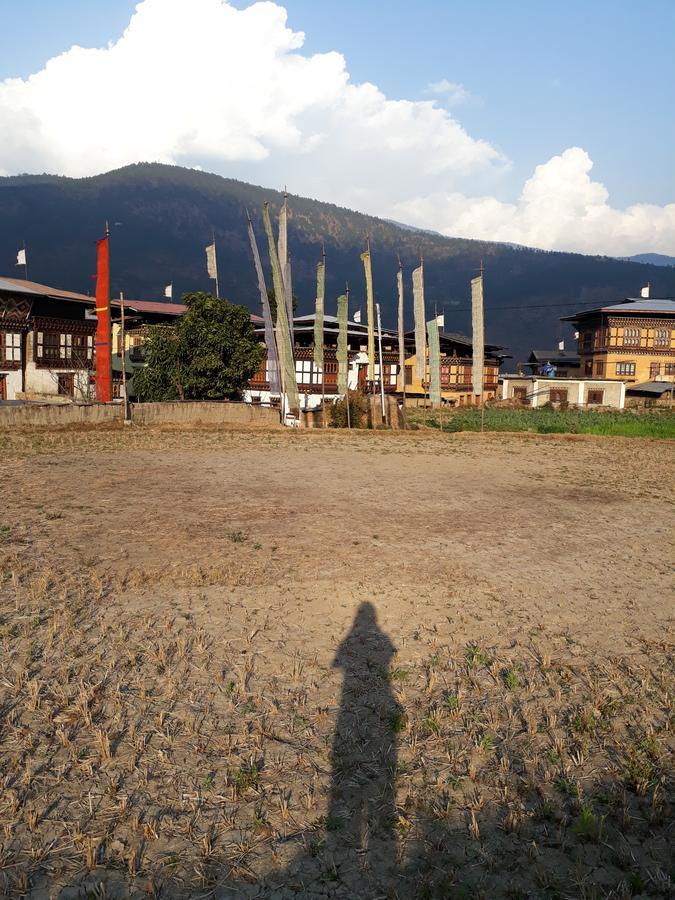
x,y
103,336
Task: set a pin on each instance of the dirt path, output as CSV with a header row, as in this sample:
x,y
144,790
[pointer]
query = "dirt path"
x,y
172,608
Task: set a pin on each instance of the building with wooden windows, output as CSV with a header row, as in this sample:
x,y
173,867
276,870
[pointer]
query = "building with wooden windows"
x,y
316,384
538,390
565,362
47,339
633,341
456,366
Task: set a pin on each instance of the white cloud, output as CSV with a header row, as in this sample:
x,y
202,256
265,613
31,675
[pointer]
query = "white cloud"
x,y
198,82
453,93
560,208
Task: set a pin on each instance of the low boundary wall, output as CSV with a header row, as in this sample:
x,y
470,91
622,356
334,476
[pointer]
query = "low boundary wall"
x,y
178,413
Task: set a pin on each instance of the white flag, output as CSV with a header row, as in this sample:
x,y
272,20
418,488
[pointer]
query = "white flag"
x,y
211,265
21,258
645,291
168,291
477,335
440,320
357,316
561,345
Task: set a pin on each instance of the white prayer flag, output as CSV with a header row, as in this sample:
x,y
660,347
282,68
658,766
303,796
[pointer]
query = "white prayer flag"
x,y
357,316
21,258
168,291
477,335
561,345
211,266
645,291
440,320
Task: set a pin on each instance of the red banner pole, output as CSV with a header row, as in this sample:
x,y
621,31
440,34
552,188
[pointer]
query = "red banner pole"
x,y
103,335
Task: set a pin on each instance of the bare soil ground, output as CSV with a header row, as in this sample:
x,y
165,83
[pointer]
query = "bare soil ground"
x,y
335,665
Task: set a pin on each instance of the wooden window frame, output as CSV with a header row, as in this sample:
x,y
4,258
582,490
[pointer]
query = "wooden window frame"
x,y
625,369
593,395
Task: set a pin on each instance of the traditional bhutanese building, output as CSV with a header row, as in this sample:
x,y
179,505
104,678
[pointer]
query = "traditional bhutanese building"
x,y
456,363
47,339
316,384
633,341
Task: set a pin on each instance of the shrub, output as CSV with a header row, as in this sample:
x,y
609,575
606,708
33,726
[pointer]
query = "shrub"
x,y
357,411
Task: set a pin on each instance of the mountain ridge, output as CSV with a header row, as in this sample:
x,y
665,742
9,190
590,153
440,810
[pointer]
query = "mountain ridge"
x,y
161,218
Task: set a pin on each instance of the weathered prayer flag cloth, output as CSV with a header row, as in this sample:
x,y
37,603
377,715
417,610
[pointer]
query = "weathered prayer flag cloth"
x,y
434,363
318,315
285,263
290,384
211,262
342,345
401,326
270,340
367,268
418,305
478,337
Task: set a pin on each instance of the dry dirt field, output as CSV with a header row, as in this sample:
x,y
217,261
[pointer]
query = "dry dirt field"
x,y
368,665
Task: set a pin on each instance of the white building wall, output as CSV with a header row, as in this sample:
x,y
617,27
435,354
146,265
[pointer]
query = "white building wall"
x,y
45,382
12,382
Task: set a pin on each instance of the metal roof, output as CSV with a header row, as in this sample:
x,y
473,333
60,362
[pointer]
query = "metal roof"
x,y
565,355
20,286
650,387
630,305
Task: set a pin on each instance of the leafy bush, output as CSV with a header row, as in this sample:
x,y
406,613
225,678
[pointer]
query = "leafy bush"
x,y
357,411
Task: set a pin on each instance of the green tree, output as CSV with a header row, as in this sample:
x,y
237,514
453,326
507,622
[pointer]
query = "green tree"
x,y
210,354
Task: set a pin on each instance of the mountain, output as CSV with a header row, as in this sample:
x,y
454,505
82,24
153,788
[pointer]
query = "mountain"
x,y
653,259
161,218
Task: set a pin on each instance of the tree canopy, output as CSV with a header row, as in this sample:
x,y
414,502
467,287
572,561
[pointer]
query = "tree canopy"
x,y
210,354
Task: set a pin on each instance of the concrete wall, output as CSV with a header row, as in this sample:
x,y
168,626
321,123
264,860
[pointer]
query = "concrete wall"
x,y
59,414
226,414
204,413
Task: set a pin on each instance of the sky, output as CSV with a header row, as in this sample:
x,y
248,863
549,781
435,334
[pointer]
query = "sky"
x,y
548,124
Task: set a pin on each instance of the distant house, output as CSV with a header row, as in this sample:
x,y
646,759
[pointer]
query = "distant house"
x,y
633,341
566,362
650,393
456,370
537,390
47,339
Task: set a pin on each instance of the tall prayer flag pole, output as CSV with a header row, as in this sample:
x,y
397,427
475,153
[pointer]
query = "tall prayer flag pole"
x,y
478,335
401,327
434,362
103,349
22,260
420,339
367,268
318,325
270,339
285,263
379,341
290,384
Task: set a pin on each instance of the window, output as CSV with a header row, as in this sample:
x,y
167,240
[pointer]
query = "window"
x,y
303,371
520,394
389,374
631,336
669,369
66,381
595,397
654,370
445,375
408,375
3,387
662,337
588,368
599,368
625,368
49,345
10,347
558,395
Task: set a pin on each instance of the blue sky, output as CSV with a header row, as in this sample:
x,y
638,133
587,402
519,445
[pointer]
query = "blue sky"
x,y
540,77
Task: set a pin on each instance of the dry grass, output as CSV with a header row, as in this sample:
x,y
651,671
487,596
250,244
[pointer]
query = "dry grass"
x,y
174,728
